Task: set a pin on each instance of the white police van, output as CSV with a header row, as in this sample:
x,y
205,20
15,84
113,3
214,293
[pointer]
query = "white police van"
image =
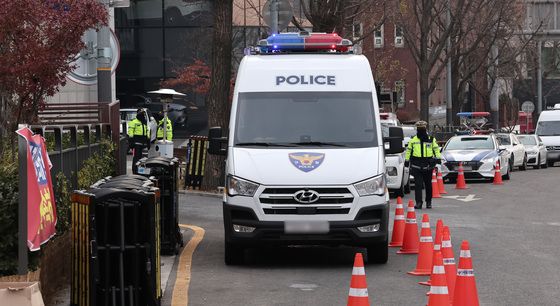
x,y
305,154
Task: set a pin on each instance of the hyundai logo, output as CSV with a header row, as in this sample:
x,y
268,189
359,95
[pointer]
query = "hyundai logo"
x,y
306,196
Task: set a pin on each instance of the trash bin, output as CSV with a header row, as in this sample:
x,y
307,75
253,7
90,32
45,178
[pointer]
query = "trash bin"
x,y
164,170
115,244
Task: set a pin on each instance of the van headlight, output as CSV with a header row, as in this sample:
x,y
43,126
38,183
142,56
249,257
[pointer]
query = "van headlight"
x,y
373,186
236,186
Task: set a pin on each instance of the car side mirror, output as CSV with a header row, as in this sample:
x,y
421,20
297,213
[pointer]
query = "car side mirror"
x,y
216,141
502,148
514,144
394,143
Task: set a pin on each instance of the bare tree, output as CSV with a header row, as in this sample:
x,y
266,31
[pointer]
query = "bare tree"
x,y
218,100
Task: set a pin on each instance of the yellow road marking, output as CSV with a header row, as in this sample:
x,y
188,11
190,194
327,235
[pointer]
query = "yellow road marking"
x,y
181,288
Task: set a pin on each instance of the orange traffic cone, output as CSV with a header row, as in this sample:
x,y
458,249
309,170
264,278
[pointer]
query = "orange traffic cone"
x,y
448,261
399,200
440,183
398,226
498,175
435,186
437,247
465,285
358,295
424,261
461,184
439,294
410,241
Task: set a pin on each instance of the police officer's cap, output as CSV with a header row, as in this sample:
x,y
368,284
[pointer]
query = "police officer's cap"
x,y
421,123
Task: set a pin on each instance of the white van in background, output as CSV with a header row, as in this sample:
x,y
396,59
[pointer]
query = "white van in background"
x,y
548,129
305,154
398,175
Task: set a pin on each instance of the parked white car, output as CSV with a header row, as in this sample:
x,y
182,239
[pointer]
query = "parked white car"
x,y
518,157
535,149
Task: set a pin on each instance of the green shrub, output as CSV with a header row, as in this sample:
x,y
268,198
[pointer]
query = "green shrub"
x,y
98,166
62,194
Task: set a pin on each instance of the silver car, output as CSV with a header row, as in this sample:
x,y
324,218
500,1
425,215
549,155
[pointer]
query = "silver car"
x,y
535,149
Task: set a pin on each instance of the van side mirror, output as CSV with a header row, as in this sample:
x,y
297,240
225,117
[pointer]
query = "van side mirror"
x,y
216,141
394,143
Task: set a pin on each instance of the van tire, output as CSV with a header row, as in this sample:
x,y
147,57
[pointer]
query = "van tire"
x,y
378,253
233,254
407,187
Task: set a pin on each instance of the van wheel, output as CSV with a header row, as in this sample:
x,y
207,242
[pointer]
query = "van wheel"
x,y
400,192
234,254
407,187
377,253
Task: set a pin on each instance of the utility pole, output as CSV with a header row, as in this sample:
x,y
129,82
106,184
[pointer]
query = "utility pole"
x,y
449,108
494,98
104,56
539,78
274,12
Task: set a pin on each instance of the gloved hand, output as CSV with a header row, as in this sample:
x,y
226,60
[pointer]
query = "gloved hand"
x,y
438,161
406,163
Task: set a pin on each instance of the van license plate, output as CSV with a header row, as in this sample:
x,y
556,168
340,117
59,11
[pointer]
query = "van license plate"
x,y
145,171
306,227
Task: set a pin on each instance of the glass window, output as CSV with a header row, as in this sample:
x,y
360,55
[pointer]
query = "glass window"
x,y
470,143
193,13
378,37
528,140
399,36
180,51
504,140
142,52
548,128
296,118
140,13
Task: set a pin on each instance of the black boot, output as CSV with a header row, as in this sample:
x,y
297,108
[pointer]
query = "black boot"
x,y
418,206
429,205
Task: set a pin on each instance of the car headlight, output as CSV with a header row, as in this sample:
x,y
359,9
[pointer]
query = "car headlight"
x,y
532,151
392,171
489,160
236,186
373,186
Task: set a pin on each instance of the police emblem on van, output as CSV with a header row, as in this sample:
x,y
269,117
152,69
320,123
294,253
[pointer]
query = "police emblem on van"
x,y
306,161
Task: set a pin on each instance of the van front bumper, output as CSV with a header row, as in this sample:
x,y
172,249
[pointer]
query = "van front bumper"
x,y
273,232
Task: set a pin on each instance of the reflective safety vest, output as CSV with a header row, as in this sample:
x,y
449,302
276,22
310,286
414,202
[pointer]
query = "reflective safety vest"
x,y
137,128
169,131
419,149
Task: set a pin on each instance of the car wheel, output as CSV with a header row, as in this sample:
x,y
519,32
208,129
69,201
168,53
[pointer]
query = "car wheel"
x,y
545,164
511,163
377,253
507,175
523,166
538,165
234,254
550,163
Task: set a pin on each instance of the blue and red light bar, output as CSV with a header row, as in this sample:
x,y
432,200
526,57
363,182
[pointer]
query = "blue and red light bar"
x,y
304,42
473,114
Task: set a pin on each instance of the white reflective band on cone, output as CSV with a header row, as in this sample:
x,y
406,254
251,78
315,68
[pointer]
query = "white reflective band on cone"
x,y
446,243
465,254
358,271
411,220
465,272
425,224
438,270
426,239
449,261
399,206
437,247
399,217
410,209
358,292
439,290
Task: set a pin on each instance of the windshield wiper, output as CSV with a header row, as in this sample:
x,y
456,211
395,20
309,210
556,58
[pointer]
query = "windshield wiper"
x,y
261,144
318,143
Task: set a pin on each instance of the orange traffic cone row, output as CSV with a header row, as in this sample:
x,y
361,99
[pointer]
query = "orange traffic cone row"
x,y
410,242
358,295
398,226
437,247
461,184
424,261
435,186
498,175
465,286
439,294
448,261
440,183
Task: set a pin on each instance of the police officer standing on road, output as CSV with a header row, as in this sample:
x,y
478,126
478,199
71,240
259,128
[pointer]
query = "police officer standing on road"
x,y
422,154
138,137
169,128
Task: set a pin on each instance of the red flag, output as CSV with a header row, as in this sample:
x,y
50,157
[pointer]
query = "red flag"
x,y
41,209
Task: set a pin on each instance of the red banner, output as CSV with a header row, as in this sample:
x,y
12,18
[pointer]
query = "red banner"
x,y
41,209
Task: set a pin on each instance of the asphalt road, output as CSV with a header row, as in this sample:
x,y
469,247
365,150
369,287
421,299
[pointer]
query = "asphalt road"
x,y
513,230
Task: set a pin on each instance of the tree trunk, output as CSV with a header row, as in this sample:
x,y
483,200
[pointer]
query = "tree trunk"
x,y
424,95
218,99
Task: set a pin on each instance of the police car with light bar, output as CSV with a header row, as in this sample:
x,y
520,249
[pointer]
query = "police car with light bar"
x,y
305,153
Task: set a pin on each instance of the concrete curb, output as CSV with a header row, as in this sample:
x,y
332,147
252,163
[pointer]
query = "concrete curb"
x,y
201,193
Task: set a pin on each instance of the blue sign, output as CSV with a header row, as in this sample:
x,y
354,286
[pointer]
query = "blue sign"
x,y
306,161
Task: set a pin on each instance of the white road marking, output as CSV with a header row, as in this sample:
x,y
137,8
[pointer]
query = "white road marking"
x,y
468,198
304,287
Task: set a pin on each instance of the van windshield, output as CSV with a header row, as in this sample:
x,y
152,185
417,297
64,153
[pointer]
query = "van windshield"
x,y
548,128
311,119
